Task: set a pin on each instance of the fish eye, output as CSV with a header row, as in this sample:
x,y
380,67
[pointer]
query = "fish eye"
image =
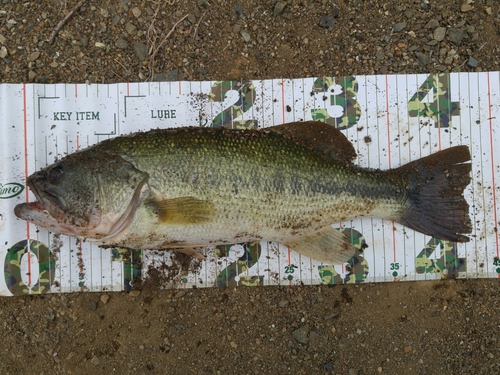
x,y
56,173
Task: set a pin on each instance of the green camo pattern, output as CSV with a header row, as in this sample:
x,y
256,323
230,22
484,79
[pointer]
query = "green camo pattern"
x,y
442,108
226,278
346,99
448,265
357,267
246,98
12,268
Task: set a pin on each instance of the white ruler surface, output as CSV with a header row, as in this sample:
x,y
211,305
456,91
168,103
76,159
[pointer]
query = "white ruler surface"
x,y
390,120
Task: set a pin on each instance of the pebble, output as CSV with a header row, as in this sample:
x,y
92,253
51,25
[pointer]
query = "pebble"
x,y
31,76
472,62
130,28
398,27
121,43
439,33
2,39
34,56
465,7
136,12
329,366
173,75
327,21
141,50
353,371
3,52
283,303
246,35
423,59
301,333
432,24
407,348
455,36
105,298
278,8
95,361
93,305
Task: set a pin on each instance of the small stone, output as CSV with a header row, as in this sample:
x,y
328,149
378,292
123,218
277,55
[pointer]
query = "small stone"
x,y
191,18
95,361
2,39
130,28
283,303
488,10
105,298
472,62
353,371
104,13
398,27
301,333
379,55
423,59
136,12
465,7
173,75
233,345
135,293
246,35
34,56
439,33
141,50
407,348
93,305
327,21
278,8
432,24
329,366
3,52
455,36
31,76
54,64
379,370
121,43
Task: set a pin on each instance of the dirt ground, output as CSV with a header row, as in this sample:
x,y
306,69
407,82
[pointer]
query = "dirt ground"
x,y
440,327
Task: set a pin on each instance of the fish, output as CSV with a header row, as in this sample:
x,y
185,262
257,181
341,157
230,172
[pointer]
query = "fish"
x,y
187,188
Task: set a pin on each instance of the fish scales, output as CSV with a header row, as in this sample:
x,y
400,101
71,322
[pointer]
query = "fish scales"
x,y
258,182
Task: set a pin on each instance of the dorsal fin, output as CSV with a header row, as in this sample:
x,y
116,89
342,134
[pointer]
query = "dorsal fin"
x,y
328,141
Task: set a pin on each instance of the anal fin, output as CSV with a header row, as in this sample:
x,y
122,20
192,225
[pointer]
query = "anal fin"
x,y
329,246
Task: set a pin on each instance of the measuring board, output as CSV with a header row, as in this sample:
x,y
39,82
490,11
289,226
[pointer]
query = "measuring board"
x,y
389,119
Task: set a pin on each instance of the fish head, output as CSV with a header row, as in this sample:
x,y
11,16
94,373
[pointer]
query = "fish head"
x,y
87,194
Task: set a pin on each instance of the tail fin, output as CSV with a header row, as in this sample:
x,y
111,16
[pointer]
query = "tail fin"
x,y
436,205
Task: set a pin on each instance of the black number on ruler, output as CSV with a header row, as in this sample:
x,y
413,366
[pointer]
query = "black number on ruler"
x,y
246,98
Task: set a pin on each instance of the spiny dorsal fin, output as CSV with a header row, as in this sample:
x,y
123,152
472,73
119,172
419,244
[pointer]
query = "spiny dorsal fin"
x,y
329,246
328,141
183,210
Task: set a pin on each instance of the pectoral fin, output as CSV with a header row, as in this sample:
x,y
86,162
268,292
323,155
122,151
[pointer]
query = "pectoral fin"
x,y
328,246
183,210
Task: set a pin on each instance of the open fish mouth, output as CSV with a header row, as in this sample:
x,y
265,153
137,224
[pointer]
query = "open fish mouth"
x,y
48,204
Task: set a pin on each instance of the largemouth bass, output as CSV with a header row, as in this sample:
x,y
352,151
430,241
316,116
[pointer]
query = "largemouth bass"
x,y
187,188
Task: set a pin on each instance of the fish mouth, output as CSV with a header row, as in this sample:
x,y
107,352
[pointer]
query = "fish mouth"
x,y
47,200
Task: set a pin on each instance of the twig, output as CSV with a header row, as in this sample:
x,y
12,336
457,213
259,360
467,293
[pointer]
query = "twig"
x,y
198,24
155,51
63,21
